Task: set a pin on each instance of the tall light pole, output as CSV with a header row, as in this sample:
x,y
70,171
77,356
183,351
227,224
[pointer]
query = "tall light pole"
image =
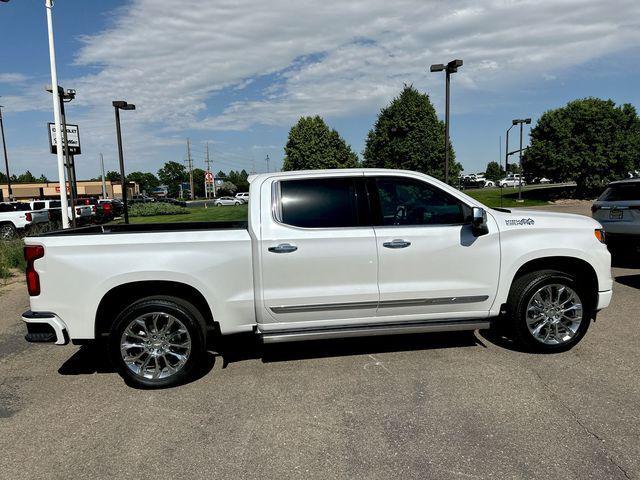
x,y
56,117
449,68
66,96
117,106
6,160
521,122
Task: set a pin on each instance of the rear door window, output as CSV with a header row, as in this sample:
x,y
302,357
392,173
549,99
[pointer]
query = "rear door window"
x,y
320,203
621,192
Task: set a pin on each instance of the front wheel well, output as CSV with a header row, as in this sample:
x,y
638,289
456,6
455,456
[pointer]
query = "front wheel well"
x,y
584,273
118,298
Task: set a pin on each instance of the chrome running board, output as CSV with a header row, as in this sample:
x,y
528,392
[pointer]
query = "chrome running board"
x,y
369,330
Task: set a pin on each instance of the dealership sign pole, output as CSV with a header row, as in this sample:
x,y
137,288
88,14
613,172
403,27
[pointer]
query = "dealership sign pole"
x,y
56,118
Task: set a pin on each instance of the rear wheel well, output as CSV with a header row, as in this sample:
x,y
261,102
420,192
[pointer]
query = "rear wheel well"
x,y
584,273
118,298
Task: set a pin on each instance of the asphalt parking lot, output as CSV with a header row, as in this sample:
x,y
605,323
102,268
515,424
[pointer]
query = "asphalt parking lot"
x,y
462,405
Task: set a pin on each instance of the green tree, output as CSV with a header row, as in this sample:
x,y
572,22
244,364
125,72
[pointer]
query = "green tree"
x,y
3,178
43,179
146,180
494,171
172,174
27,177
113,176
198,182
239,179
591,141
313,145
408,135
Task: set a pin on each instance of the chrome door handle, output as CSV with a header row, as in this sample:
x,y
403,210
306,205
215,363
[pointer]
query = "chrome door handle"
x,y
283,248
397,243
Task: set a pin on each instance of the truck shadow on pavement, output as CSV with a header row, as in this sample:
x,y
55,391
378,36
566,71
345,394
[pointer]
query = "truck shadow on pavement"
x,y
91,359
629,280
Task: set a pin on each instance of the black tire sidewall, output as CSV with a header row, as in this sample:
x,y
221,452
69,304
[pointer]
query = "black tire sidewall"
x,y
148,305
536,282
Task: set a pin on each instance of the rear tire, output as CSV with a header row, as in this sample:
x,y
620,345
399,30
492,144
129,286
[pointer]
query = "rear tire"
x,y
548,310
157,342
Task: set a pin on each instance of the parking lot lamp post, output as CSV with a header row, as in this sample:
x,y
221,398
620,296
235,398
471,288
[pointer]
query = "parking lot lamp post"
x,y
56,116
122,105
449,68
521,122
6,160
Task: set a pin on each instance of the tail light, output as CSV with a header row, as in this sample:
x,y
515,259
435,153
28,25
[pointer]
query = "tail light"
x,y
78,211
594,208
106,207
93,208
28,216
31,254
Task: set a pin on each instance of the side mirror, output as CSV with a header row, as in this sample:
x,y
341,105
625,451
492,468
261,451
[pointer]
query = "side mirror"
x,y
479,222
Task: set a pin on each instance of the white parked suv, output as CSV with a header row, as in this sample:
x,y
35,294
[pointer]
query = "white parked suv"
x,y
244,196
16,217
324,254
511,180
618,210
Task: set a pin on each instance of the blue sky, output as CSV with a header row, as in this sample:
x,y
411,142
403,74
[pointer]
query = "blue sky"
x,y
239,73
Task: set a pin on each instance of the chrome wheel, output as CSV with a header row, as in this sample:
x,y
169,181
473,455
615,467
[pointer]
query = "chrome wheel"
x,y
554,314
155,345
7,232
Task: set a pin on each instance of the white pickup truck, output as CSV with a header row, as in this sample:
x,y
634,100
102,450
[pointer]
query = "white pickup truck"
x,y
18,217
324,254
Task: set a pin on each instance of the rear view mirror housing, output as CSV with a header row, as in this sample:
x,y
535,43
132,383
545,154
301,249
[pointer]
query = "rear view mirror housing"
x,y
479,222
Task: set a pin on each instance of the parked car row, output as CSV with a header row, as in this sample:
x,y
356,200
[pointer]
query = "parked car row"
x,y
17,218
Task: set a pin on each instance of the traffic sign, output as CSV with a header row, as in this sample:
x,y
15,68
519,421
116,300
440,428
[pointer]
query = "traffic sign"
x,y
208,177
73,139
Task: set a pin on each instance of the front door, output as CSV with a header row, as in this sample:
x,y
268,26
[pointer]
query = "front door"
x,y
318,252
431,266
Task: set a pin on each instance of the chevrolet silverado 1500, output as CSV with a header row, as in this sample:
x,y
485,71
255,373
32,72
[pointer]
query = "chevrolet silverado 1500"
x,y
324,254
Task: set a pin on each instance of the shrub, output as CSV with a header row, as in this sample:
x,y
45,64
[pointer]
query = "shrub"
x,y
156,208
11,257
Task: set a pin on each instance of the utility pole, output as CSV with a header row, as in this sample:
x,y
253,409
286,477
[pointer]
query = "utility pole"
x,y
56,117
190,163
267,160
6,160
104,180
208,162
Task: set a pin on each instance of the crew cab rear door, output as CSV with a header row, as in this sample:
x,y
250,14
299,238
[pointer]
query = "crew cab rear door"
x,y
431,266
317,251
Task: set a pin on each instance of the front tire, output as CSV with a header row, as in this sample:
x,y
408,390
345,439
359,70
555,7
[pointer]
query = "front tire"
x,y
549,311
157,342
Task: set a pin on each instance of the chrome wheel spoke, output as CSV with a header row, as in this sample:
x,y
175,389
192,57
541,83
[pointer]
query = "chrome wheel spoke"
x,y
155,345
554,314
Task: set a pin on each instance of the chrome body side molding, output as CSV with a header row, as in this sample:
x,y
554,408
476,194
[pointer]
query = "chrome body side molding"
x,y
369,330
412,302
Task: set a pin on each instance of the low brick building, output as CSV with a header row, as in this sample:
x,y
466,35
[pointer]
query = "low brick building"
x,y
51,190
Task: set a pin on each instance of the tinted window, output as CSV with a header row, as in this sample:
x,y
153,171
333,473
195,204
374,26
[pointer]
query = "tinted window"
x,y
4,207
22,207
38,205
319,203
55,204
405,201
621,192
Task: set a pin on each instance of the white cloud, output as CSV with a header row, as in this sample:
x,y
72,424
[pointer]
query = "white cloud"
x,y
333,57
172,57
12,77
